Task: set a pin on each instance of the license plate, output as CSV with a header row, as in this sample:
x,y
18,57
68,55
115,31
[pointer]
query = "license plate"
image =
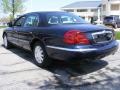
x,y
104,36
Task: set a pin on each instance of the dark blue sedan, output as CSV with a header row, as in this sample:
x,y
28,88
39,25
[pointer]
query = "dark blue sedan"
x,y
59,35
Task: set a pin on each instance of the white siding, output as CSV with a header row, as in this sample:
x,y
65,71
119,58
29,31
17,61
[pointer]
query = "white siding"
x,y
112,7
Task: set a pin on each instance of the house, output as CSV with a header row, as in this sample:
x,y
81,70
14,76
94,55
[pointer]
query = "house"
x,y
4,21
110,7
85,9
95,10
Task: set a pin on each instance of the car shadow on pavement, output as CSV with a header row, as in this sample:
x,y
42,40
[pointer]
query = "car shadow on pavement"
x,y
77,69
81,68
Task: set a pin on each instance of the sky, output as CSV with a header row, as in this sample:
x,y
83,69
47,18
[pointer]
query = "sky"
x,y
46,5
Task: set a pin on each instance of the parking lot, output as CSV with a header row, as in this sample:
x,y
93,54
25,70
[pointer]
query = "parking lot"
x,y
17,72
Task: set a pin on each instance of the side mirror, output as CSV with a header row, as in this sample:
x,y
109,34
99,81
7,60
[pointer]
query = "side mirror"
x,y
10,24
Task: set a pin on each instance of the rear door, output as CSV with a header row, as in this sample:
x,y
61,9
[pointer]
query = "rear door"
x,y
26,32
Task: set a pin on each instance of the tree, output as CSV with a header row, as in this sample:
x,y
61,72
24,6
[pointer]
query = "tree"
x,y
13,7
4,20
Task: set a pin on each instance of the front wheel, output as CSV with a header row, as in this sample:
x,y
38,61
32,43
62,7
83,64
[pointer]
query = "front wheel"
x,y
6,42
40,56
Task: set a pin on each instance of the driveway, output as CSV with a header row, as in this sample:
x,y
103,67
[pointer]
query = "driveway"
x,y
17,72
118,29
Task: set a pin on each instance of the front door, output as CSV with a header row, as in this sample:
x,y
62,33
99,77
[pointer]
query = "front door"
x,y
17,26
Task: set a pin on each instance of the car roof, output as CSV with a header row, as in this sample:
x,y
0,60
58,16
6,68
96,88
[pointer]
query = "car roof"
x,y
46,12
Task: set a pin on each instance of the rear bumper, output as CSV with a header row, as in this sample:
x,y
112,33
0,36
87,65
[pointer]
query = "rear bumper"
x,y
82,53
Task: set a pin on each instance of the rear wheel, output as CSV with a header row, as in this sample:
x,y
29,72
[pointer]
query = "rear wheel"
x,y
115,26
40,56
110,26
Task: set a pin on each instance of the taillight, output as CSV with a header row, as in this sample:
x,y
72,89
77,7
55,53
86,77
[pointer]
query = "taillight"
x,y
75,37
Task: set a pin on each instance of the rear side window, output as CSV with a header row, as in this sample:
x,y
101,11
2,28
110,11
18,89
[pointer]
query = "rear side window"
x,y
32,21
53,20
68,19
108,18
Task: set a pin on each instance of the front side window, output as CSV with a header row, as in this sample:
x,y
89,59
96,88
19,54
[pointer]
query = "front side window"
x,y
64,18
108,18
32,21
20,21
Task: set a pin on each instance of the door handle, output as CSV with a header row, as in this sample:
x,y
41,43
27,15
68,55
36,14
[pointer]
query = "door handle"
x,y
16,31
30,32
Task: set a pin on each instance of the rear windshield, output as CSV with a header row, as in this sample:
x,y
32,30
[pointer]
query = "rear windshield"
x,y
64,18
109,18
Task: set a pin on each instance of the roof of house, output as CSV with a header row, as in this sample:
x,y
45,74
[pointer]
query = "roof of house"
x,y
84,4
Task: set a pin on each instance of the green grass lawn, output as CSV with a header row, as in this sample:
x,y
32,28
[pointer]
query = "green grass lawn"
x,y
118,35
2,27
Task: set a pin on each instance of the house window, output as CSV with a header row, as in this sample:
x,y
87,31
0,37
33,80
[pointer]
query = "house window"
x,y
94,10
69,10
104,7
115,7
82,10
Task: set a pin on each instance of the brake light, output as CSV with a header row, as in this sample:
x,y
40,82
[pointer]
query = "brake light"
x,y
75,37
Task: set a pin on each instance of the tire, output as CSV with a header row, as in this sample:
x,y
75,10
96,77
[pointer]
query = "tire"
x,y
6,43
115,26
111,26
41,58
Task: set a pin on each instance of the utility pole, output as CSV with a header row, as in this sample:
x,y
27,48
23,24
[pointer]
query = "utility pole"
x,y
108,7
99,15
13,6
